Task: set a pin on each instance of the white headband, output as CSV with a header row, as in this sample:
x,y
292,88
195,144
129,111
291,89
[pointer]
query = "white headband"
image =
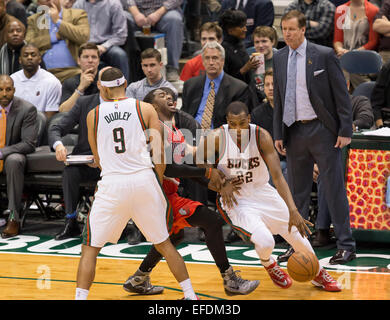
x,y
113,83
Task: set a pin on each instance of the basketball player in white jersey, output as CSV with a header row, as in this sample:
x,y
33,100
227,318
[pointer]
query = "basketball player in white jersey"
x,y
129,187
243,152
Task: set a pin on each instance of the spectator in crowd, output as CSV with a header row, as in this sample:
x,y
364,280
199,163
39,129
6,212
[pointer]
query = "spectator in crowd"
x,y
58,43
193,18
205,97
319,19
258,12
382,26
20,116
165,17
36,85
16,9
151,66
237,61
353,30
108,29
312,123
363,118
362,113
380,96
10,51
73,176
84,83
265,40
5,18
210,31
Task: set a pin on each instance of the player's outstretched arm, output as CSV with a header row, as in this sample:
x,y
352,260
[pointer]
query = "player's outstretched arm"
x,y
91,136
154,134
271,158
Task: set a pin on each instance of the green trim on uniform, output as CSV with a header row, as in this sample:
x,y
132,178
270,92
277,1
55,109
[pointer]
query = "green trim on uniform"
x,y
244,234
140,117
86,235
220,155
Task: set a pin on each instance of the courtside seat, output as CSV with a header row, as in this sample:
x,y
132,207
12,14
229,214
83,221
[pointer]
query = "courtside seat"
x,y
43,183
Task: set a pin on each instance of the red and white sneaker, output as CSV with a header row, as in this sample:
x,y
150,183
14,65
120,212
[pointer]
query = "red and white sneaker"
x,y
325,281
278,276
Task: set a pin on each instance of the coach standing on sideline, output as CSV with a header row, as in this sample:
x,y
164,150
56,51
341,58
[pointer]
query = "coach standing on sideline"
x,y
312,123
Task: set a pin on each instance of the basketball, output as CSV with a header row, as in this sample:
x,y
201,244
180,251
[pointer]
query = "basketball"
x,y
302,266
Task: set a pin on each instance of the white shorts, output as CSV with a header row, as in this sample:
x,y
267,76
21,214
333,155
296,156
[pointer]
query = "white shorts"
x,y
118,199
265,207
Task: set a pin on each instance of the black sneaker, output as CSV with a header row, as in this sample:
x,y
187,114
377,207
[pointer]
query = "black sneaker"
x,y
284,257
342,257
70,230
134,235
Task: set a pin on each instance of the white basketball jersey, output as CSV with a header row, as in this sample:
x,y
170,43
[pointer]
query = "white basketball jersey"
x,y
121,141
248,167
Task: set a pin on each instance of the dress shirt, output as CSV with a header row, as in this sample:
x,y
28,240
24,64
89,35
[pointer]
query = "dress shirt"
x,y
58,56
107,21
304,110
206,91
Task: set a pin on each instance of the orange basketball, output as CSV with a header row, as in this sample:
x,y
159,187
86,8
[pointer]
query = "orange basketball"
x,y
302,266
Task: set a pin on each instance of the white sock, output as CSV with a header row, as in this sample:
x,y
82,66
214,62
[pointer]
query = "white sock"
x,y
187,289
267,263
81,294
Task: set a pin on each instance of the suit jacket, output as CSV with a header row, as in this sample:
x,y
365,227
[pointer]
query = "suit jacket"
x,y
230,89
327,90
22,129
77,115
74,29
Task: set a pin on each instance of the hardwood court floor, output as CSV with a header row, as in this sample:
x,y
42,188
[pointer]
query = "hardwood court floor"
x,y
46,277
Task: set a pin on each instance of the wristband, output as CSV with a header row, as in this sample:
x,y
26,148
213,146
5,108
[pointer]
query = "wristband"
x,y
79,92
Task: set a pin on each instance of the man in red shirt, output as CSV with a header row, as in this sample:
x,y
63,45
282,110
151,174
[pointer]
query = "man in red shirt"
x,y
210,31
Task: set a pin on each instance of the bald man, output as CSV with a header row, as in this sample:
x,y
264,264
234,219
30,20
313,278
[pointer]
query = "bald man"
x,y
21,116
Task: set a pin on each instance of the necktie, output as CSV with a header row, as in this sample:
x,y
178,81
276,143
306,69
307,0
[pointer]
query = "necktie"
x,y
3,125
208,111
241,5
290,99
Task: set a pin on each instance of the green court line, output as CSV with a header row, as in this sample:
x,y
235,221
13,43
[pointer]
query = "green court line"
x,y
109,283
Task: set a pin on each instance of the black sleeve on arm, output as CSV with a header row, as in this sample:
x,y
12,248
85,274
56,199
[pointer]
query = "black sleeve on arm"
x,y
184,171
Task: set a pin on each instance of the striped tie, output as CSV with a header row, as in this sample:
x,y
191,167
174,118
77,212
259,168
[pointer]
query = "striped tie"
x,y
208,111
290,101
3,125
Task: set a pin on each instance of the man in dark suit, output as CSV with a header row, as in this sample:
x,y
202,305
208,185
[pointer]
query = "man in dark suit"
x,y
20,139
215,89
75,174
312,123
